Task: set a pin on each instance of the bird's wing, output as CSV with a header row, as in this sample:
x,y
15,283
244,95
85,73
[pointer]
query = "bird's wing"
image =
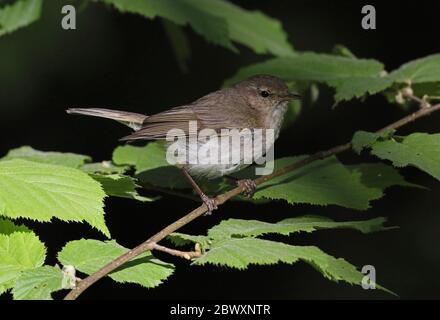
x,y
205,113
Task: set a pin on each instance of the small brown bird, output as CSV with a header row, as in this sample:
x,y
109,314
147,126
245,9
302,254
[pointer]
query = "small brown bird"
x,y
258,102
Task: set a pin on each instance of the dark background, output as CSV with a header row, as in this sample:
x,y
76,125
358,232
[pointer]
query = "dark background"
x,y
125,61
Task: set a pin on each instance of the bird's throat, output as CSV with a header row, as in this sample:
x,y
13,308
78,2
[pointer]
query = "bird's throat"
x,y
276,117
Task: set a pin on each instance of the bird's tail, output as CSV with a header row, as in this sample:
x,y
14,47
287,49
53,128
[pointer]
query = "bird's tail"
x,y
131,119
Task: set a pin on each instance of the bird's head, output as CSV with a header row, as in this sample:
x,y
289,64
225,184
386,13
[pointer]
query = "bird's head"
x,y
265,91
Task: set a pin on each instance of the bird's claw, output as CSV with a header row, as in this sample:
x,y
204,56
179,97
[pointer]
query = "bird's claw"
x,y
249,187
210,203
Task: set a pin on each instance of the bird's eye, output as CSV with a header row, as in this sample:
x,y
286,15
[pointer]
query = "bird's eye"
x,y
264,93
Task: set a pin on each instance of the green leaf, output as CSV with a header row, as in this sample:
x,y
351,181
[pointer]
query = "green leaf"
x,y
431,89
232,243
309,66
104,167
420,150
241,252
38,283
117,185
421,70
19,14
151,156
363,139
328,182
253,29
381,176
357,87
183,12
64,159
343,51
7,227
252,228
217,21
166,177
88,256
322,182
42,191
19,251
349,76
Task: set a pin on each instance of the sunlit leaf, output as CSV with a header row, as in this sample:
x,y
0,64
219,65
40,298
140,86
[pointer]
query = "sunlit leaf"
x,y
19,251
88,256
43,191
38,283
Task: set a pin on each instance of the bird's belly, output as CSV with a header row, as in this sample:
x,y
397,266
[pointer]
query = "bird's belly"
x,y
215,159
212,171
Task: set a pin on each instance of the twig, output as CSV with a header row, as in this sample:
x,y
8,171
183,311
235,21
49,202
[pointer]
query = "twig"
x,y
188,255
151,243
408,93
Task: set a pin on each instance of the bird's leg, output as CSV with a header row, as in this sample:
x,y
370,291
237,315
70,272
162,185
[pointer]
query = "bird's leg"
x,y
248,185
210,203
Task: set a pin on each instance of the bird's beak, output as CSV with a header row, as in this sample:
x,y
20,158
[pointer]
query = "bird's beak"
x,y
292,96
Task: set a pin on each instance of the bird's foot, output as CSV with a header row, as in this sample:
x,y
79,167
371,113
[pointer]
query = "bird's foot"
x,y
210,203
249,187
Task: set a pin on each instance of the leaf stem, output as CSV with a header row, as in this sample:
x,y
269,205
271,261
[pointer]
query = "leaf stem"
x,y
148,186
151,243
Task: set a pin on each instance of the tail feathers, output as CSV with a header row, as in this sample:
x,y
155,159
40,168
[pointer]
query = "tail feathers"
x,y
131,119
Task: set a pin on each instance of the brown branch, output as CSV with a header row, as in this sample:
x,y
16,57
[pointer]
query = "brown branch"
x,y
151,243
